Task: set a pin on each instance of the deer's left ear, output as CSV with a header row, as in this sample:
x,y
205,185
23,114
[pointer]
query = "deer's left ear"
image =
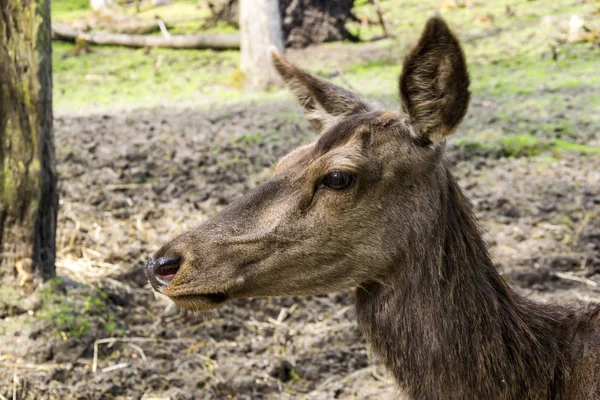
x,y
434,85
323,102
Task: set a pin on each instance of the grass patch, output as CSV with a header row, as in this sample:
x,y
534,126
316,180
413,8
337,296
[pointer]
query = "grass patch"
x,y
122,77
530,75
69,10
521,145
73,314
11,301
237,79
560,144
524,145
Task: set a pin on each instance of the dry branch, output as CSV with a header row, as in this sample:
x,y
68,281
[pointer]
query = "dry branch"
x,y
382,21
198,41
571,277
39,367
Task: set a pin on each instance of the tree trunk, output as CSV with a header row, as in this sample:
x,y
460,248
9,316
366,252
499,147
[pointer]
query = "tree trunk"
x,y
28,195
260,28
307,22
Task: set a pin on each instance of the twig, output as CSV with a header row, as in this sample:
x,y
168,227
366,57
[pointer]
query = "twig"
x,y
259,324
139,350
551,226
112,341
126,186
163,28
91,251
192,327
345,379
334,327
115,367
570,277
283,314
341,311
74,233
2,397
15,379
108,265
118,284
379,12
195,41
579,228
277,381
588,298
40,367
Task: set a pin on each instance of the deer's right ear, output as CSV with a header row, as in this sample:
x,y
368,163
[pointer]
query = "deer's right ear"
x,y
324,103
434,86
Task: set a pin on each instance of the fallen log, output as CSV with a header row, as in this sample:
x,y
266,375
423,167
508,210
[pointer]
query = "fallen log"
x,y
132,28
198,41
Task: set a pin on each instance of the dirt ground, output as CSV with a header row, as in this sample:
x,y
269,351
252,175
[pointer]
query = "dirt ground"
x,y
130,181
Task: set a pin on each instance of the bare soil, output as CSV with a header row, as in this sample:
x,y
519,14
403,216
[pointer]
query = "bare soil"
x,y
131,181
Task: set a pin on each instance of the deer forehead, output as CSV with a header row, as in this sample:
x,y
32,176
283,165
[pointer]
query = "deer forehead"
x,y
342,146
294,159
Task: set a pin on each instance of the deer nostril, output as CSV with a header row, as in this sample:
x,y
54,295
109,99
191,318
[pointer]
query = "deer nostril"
x,y
165,268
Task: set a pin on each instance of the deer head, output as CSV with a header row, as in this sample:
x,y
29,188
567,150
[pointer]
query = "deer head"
x,y
343,211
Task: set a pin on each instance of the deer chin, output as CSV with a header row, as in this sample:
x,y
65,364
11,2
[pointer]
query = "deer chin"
x,y
200,301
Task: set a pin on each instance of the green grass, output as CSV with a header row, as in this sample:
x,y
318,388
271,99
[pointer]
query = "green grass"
x,y
531,96
65,310
178,11
565,145
523,145
114,77
530,74
74,315
126,77
69,10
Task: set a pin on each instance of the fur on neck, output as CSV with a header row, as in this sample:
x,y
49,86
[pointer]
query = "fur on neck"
x,y
447,326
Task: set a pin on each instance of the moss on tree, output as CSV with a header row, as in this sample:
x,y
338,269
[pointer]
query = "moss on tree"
x,y
28,196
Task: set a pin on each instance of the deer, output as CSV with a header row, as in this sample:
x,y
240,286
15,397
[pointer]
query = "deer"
x,y
372,204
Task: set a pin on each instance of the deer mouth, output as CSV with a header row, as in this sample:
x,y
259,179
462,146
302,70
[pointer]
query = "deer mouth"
x,y
199,302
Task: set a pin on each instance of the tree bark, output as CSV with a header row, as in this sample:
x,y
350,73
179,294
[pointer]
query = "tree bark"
x,y
307,22
28,194
200,41
260,28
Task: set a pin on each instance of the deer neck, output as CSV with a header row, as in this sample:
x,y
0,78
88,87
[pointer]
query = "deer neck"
x,y
446,324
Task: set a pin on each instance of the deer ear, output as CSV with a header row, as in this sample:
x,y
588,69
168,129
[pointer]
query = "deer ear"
x,y
434,85
324,103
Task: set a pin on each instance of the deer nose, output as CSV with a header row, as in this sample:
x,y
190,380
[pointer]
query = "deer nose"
x,y
161,271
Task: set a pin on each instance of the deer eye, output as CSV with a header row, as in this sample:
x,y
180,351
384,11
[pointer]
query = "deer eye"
x,y
338,180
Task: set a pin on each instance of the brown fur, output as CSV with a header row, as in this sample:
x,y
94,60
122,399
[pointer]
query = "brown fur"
x,y
429,299
324,103
434,85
